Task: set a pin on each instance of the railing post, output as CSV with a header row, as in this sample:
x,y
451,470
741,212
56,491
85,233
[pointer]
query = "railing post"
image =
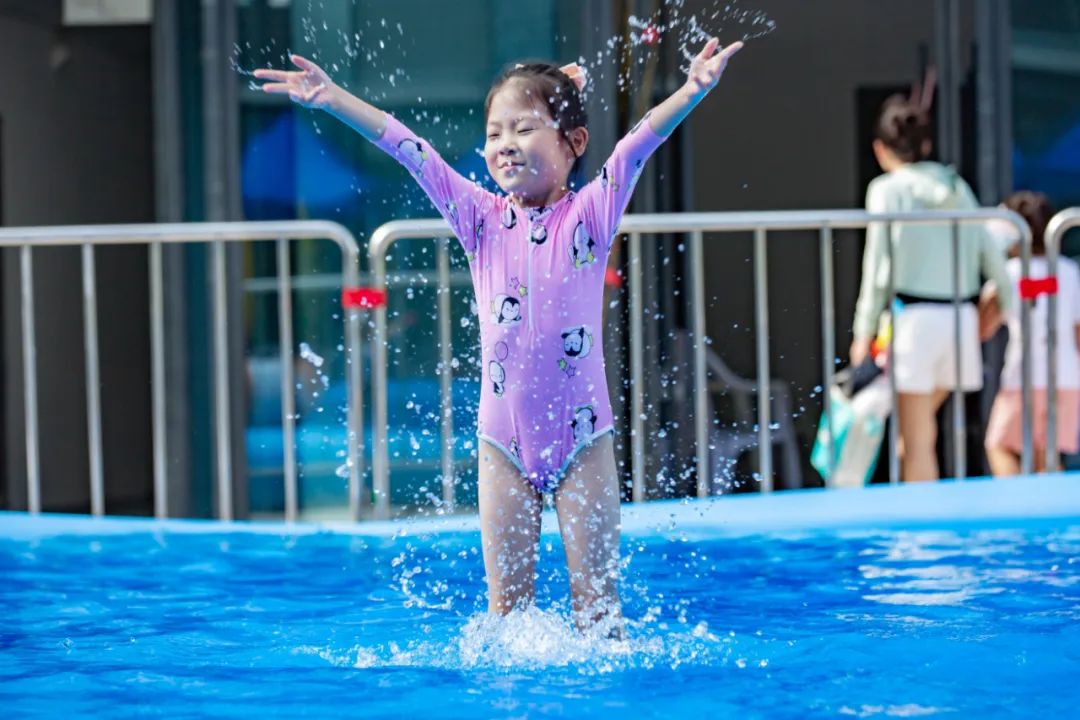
x,y
446,385
157,365
354,373
1026,454
380,459
93,382
702,419
288,381
894,421
221,386
828,342
637,380
30,406
959,419
1055,232
761,304
1051,450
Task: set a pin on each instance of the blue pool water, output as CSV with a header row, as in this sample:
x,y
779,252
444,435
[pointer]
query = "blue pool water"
x,y
945,601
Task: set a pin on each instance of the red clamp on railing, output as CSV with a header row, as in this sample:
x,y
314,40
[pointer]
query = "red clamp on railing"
x,y
363,298
613,278
1031,288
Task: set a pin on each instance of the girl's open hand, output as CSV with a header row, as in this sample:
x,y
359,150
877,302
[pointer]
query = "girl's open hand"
x,y
310,87
708,66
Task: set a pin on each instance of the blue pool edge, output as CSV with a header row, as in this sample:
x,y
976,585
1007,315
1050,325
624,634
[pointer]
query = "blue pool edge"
x,y
1036,498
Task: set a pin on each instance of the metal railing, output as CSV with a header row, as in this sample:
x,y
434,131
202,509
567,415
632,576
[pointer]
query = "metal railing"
x,y
1055,232
155,236
381,240
696,225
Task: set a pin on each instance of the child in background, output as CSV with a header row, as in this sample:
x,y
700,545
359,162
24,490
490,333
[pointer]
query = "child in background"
x,y
537,256
1004,441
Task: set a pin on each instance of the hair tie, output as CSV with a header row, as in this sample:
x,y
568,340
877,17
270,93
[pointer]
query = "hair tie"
x,y
577,75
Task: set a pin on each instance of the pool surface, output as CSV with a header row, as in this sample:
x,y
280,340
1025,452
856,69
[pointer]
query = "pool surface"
x,y
951,600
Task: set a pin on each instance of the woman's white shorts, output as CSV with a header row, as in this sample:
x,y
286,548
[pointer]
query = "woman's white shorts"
x,y
926,352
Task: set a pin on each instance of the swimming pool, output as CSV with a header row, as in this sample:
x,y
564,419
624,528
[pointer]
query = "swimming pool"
x,y
947,600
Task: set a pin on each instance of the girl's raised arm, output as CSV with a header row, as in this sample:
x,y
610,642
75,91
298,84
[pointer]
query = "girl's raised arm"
x,y
608,196
704,73
459,200
313,88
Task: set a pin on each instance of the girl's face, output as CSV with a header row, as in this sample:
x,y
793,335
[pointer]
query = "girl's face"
x,y
525,152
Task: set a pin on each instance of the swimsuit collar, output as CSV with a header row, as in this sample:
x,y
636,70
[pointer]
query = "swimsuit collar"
x,y
535,213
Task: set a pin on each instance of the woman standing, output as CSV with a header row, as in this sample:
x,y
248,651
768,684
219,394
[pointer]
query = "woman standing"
x,y
926,359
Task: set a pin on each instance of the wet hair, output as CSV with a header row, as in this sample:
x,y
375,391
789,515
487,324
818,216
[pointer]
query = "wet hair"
x,y
1036,209
904,127
560,97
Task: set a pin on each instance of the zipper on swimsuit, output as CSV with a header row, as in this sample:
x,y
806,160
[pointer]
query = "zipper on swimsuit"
x,y
528,277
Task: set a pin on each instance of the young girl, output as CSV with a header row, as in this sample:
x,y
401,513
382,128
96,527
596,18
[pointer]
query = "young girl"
x,y
537,256
1003,432
924,343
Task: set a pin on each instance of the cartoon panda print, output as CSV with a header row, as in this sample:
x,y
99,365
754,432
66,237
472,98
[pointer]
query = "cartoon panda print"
x,y
479,232
506,310
538,234
581,247
583,424
607,180
638,165
577,342
496,369
509,217
452,213
414,154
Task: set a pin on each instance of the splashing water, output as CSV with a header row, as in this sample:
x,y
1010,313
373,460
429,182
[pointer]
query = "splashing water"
x,y
535,639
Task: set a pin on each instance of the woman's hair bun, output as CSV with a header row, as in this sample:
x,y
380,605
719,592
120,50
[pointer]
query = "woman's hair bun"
x,y
904,128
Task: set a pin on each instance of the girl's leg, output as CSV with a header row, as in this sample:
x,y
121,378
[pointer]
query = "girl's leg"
x,y
918,432
1003,462
587,502
509,531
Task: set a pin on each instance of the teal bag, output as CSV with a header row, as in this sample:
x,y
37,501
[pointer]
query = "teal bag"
x,y
859,426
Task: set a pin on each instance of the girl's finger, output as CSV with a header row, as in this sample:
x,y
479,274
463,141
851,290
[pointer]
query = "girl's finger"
x,y
268,74
729,52
303,63
709,49
276,88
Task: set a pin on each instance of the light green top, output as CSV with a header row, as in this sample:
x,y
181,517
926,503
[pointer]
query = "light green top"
x,y
922,253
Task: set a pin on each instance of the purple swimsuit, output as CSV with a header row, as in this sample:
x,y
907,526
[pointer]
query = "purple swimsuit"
x,y
538,274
